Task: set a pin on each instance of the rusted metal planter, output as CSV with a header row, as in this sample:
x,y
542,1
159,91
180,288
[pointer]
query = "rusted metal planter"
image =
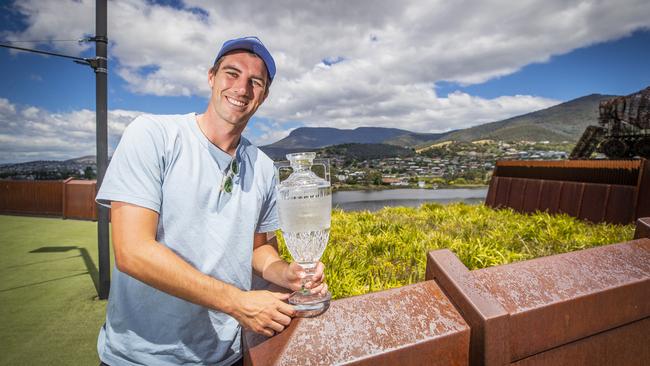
x,y
411,325
614,191
642,228
590,307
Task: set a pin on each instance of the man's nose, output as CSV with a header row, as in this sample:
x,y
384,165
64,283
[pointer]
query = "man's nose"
x,y
242,86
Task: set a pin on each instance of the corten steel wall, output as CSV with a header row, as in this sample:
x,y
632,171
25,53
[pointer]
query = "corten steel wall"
x,y
410,325
31,197
74,199
79,199
589,307
615,191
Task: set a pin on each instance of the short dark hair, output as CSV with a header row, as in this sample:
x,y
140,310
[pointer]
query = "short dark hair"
x,y
217,64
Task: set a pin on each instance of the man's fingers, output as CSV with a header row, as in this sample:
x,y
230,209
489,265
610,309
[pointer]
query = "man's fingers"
x,y
282,306
319,273
282,319
276,327
297,269
280,295
267,332
323,289
320,268
286,309
317,289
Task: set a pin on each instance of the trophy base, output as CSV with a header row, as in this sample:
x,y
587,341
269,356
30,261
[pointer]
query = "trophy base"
x,y
309,305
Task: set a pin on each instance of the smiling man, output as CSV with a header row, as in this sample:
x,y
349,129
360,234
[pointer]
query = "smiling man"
x,y
193,215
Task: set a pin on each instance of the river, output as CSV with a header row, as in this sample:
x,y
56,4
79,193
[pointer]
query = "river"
x,y
376,200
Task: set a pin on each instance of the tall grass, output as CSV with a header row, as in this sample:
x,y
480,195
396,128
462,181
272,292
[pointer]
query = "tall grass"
x,y
385,249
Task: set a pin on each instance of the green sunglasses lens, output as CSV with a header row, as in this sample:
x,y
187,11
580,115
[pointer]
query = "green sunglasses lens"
x,y
227,186
234,167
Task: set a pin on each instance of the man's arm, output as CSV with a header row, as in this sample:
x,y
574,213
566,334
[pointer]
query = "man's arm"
x,y
138,254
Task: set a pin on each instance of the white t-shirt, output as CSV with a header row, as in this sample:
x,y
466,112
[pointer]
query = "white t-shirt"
x,y
166,164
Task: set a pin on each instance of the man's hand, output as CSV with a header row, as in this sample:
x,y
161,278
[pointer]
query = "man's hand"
x,y
294,273
263,312
268,265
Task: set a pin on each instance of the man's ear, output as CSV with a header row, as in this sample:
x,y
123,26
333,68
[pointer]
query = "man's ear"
x,y
211,78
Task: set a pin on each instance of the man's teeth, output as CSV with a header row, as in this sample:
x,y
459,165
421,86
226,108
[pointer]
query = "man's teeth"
x,y
236,102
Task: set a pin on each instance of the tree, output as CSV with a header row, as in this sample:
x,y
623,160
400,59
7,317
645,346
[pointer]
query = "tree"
x,y
89,173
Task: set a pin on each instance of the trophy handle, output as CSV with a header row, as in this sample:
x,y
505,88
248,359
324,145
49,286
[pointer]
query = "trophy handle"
x,y
325,163
279,166
283,165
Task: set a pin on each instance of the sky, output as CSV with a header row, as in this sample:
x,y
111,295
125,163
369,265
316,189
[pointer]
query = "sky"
x,y
423,66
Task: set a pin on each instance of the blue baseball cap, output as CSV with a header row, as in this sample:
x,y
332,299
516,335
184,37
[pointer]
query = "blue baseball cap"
x,y
252,44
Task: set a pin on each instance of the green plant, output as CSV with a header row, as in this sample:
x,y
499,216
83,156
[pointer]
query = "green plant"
x,y
375,251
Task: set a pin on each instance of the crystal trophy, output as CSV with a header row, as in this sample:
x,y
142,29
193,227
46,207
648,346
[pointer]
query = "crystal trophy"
x,y
305,210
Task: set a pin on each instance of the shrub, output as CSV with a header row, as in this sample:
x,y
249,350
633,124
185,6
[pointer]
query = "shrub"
x,y
385,249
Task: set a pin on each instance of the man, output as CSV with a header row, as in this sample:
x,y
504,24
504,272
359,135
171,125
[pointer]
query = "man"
x,y
193,212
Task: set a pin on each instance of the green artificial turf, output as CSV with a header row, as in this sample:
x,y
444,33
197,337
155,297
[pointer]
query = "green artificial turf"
x,y
49,311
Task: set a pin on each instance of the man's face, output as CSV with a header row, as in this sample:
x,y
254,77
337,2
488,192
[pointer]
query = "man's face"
x,y
238,87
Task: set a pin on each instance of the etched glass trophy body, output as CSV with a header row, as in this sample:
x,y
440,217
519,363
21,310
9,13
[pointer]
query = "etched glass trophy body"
x,y
305,209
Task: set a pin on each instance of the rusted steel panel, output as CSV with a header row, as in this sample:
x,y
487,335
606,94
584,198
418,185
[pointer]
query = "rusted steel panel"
x,y
79,196
570,198
573,164
550,303
620,204
517,194
594,175
414,325
532,198
643,193
31,197
489,344
642,228
549,199
563,184
594,202
490,198
625,346
502,192
570,296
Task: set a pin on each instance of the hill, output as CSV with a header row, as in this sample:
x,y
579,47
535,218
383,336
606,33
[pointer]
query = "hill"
x,y
562,122
317,137
367,151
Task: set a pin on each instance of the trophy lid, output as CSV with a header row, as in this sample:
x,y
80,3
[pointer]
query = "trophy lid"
x,y
303,178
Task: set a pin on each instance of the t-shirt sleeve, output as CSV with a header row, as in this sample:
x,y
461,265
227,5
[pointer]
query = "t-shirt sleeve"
x,y
135,172
268,220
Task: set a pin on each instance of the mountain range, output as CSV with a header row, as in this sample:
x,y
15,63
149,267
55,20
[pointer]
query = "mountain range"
x,y
318,137
562,122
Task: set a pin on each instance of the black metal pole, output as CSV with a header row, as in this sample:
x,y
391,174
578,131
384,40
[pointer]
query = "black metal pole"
x,y
101,86
80,59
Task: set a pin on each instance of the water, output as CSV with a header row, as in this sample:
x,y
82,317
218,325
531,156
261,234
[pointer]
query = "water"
x,y
376,200
306,247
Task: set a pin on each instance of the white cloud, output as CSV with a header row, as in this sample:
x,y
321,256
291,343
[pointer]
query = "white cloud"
x,y
393,52
28,133
6,107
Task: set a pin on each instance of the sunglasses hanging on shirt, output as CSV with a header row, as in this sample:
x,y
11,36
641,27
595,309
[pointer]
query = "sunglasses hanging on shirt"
x,y
227,182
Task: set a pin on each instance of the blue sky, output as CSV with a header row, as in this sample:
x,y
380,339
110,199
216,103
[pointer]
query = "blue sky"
x,y
378,63
615,67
